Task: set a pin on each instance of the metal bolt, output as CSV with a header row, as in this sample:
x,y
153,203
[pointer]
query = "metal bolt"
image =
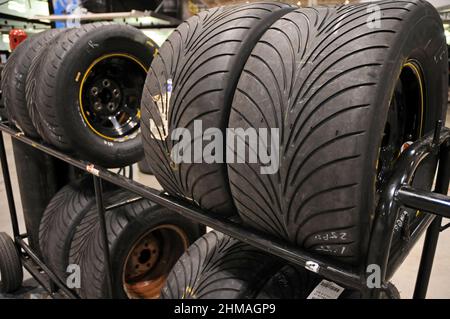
x,y
94,91
98,106
116,92
106,83
111,106
312,266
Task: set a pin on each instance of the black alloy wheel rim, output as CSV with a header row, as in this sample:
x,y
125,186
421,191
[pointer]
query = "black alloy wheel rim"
x,y
404,123
111,96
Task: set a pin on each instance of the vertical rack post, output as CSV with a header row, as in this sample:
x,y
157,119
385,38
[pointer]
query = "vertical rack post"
x,y
104,234
8,188
432,235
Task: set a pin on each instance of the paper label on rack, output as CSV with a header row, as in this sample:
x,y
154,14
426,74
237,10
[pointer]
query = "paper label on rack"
x,y
326,290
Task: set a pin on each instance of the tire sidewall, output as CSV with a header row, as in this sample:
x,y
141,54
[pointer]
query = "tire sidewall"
x,y
409,44
91,46
12,86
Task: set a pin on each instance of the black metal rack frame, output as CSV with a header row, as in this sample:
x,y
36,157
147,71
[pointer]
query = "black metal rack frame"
x,y
397,193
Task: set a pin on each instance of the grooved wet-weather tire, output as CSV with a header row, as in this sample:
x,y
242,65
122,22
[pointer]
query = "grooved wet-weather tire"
x,y
293,282
88,89
61,218
14,83
145,241
346,95
3,112
33,76
219,267
193,79
11,273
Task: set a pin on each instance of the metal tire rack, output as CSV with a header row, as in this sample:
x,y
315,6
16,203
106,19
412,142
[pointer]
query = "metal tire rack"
x,y
398,192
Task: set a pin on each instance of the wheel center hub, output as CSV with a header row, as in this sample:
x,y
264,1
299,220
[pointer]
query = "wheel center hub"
x,y
106,96
143,257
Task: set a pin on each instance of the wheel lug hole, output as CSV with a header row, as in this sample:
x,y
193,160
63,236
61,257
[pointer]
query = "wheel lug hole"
x,y
98,106
111,106
106,83
94,91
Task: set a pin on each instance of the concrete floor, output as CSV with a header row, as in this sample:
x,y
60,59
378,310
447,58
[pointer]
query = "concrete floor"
x,y
404,278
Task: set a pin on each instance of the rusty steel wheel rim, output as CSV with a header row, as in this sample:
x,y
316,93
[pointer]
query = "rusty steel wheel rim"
x,y
150,260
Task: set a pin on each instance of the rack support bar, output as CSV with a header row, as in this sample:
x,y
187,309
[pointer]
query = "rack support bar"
x,y
438,204
8,188
104,233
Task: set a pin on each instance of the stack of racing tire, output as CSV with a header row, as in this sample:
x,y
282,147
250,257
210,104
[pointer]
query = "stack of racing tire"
x,y
334,94
79,90
341,92
145,241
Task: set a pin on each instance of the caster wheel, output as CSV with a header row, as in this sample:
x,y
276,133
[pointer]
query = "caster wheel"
x,y
11,273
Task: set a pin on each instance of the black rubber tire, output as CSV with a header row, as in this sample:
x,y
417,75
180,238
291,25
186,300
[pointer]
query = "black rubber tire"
x,y
292,282
61,218
203,58
13,85
59,81
125,225
325,79
144,168
33,77
3,112
11,273
391,292
219,267
6,74
40,176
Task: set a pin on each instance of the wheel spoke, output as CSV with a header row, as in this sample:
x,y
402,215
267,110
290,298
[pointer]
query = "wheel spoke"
x,y
115,123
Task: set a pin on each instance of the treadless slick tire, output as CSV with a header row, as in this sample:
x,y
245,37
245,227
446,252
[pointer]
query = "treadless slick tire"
x,y
145,241
194,78
346,97
13,83
219,267
11,273
88,92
